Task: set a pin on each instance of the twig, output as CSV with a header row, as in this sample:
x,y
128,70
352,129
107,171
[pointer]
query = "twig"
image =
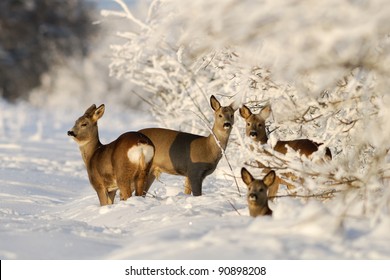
x,y
231,169
130,16
320,195
210,60
152,195
195,103
234,207
143,98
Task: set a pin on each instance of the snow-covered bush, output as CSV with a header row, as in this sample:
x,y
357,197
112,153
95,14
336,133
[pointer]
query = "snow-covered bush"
x,y
323,66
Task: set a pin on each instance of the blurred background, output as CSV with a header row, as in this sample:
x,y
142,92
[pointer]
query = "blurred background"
x,y
56,50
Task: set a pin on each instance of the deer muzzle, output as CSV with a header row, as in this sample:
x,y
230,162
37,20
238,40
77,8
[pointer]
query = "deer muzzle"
x,y
227,125
252,197
71,133
253,134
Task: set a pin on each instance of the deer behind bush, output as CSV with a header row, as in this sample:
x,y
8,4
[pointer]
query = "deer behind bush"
x,y
256,130
257,196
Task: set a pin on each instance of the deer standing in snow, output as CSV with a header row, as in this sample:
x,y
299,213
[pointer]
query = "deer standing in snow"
x,y
257,192
255,129
190,155
122,164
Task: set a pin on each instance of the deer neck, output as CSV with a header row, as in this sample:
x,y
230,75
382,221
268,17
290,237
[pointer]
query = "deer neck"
x,y
256,210
266,211
264,139
88,149
217,140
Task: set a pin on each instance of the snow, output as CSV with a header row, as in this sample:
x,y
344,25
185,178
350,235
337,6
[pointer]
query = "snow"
x,y
48,210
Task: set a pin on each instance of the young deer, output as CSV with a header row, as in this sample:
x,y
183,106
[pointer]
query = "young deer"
x,y
257,192
190,155
255,129
122,164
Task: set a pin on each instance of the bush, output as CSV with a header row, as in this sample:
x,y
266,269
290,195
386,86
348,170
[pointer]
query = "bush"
x,y
324,70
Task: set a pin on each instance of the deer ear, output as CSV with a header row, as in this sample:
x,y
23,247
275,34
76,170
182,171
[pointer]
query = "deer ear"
x,y
269,179
98,113
214,103
90,110
245,112
265,112
246,176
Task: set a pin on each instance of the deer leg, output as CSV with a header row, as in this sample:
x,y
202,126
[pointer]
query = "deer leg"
x,y
139,188
148,181
124,185
111,197
194,183
143,179
125,180
187,186
125,192
140,184
103,196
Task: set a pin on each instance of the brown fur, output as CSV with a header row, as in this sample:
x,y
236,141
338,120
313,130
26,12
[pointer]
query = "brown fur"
x,y
255,129
109,166
190,155
257,192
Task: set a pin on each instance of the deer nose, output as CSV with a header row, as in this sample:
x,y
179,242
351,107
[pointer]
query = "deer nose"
x,y
71,133
253,134
252,196
227,125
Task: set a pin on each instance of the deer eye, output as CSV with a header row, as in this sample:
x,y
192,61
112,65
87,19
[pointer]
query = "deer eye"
x,y
220,115
84,124
248,124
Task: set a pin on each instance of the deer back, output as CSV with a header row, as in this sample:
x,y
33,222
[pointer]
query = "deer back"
x,y
130,149
303,146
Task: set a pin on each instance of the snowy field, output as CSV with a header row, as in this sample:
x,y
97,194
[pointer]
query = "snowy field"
x,y
48,210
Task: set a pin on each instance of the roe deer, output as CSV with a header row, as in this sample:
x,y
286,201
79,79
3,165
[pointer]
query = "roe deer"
x,y
257,192
255,129
190,155
122,164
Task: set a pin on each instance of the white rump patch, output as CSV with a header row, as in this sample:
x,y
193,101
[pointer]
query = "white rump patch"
x,y
134,154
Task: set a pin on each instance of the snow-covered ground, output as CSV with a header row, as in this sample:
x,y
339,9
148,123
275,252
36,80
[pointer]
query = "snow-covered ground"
x,y
48,210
